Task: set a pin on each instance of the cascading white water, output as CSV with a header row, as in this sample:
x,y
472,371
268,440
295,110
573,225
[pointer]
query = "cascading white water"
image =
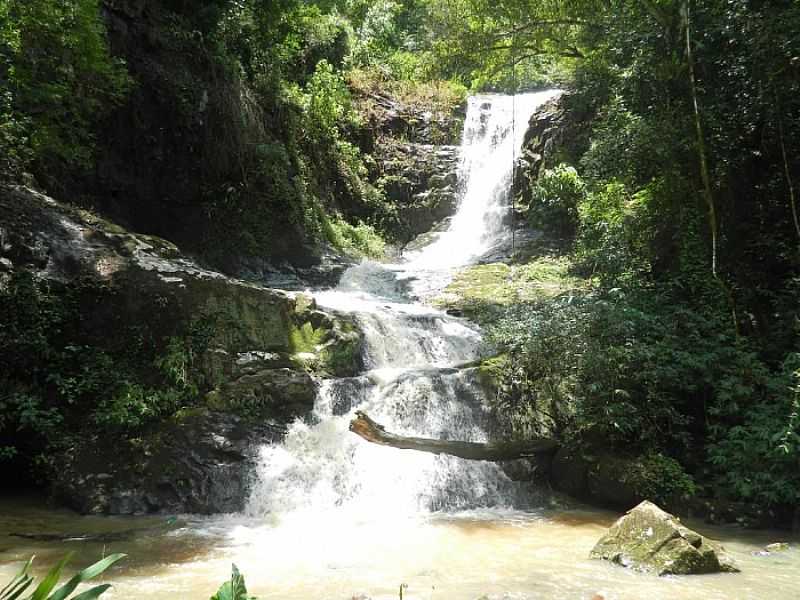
x,y
410,350
493,133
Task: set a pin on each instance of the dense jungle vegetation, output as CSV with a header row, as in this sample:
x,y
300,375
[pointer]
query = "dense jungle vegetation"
x,y
233,128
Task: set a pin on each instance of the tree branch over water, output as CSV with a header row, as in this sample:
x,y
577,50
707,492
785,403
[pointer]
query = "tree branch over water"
x,y
371,431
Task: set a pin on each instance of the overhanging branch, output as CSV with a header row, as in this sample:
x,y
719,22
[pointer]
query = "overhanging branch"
x,y
375,433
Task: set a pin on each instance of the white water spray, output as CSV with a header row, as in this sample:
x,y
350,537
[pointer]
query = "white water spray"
x,y
412,386
493,133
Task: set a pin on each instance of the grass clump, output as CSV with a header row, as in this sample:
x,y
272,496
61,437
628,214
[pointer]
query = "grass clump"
x,y
361,240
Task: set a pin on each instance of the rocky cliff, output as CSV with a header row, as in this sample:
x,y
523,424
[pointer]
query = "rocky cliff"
x,y
191,357
416,157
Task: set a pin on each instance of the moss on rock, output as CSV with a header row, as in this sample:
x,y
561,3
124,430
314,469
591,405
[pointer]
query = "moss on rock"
x,y
483,292
649,539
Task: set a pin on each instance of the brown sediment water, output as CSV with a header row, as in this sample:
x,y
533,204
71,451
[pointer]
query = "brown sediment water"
x,y
463,556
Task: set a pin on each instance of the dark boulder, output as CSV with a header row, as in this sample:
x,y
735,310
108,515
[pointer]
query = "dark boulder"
x,y
197,463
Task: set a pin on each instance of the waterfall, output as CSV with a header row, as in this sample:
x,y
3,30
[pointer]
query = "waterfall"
x,y
411,350
493,133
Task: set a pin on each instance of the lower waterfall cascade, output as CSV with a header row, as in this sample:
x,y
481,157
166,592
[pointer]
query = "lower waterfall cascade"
x,y
410,350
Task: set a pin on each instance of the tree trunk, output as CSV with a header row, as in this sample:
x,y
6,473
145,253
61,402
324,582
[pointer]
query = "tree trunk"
x,y
371,431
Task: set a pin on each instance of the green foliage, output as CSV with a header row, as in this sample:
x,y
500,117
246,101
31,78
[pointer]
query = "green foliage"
x,y
608,244
131,405
15,150
306,338
660,479
472,40
644,370
17,587
59,381
31,318
235,589
357,240
377,35
339,358
328,100
652,360
555,200
60,77
767,433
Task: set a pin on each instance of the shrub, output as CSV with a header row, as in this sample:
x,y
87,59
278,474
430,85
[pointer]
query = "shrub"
x,y
359,240
55,58
555,200
649,373
659,478
766,434
328,100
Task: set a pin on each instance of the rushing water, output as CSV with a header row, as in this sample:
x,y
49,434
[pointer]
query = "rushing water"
x,y
332,516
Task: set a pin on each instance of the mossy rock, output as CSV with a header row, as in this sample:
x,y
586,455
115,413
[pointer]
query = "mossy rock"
x,y
647,538
483,292
272,393
492,371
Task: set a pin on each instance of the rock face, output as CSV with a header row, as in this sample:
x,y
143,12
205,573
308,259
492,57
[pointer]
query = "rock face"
x,y
261,347
415,159
422,180
545,131
648,539
198,463
556,133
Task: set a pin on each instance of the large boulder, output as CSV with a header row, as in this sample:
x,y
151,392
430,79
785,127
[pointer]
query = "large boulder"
x,y
649,539
131,282
199,462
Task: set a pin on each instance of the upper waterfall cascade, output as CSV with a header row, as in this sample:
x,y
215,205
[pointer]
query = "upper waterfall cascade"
x,y
410,350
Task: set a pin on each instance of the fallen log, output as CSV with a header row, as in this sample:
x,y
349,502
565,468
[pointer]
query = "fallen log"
x,y
373,432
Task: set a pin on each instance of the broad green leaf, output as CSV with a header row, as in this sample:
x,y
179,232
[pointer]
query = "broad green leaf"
x,y
88,573
18,585
51,579
92,593
12,589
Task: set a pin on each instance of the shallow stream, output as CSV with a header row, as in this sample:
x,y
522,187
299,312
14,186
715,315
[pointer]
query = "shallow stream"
x,y
533,554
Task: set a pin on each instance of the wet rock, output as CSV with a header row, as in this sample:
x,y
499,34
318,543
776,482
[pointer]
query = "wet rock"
x,y
545,129
414,158
536,468
777,547
197,463
274,393
647,538
137,279
605,481
569,472
421,179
